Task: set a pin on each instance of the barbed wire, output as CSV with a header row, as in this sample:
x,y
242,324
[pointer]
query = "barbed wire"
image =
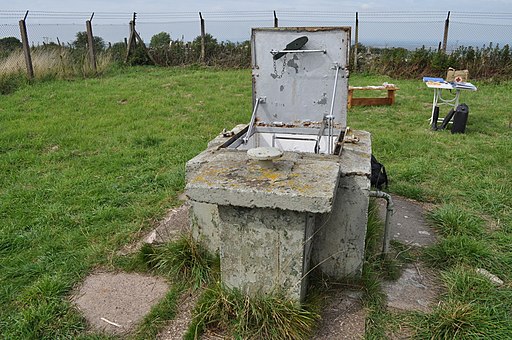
x,y
397,16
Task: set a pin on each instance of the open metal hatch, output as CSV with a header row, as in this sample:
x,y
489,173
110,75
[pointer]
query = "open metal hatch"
x,y
300,85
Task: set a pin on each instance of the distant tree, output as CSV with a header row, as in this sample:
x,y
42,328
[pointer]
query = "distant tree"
x,y
80,42
210,45
161,39
118,51
10,44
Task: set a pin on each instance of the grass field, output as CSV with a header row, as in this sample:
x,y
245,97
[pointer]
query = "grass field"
x,y
86,165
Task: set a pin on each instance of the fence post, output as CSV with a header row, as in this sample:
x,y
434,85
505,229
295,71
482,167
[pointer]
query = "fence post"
x,y
203,47
90,40
131,40
26,47
276,21
445,35
356,40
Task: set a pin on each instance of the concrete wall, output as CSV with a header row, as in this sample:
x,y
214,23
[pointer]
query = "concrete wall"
x,y
205,223
262,250
338,246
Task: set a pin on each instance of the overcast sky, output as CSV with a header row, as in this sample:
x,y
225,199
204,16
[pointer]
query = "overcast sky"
x,y
225,5
169,16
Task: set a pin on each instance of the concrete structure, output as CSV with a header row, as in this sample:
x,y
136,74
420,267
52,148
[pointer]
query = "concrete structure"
x,y
274,220
271,227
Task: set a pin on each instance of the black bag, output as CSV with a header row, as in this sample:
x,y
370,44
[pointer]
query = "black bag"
x,y
460,119
379,176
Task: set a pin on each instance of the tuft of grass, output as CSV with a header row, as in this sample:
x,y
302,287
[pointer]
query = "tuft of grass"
x,y
159,315
48,63
270,316
9,83
453,319
459,250
450,220
184,259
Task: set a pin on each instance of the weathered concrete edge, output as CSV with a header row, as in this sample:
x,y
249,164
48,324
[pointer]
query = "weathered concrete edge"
x,y
251,199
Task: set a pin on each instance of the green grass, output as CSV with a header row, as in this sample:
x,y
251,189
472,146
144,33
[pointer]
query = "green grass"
x,y
270,316
468,177
184,259
86,165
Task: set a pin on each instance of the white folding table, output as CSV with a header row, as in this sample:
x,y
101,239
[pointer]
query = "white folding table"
x,y
438,84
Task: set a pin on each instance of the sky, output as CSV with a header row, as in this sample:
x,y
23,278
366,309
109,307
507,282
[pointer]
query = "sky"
x,y
381,22
230,5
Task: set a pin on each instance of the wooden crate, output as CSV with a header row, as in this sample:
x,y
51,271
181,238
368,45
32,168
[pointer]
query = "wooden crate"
x,y
389,100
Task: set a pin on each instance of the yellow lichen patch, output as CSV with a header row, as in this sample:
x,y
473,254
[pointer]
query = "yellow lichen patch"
x,y
270,174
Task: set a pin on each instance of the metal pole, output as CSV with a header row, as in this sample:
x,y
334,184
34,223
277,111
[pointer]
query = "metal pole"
x,y
26,47
356,41
90,40
330,117
387,224
276,21
445,35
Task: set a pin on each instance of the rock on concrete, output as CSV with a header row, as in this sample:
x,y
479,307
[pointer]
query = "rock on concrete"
x,y
175,222
116,302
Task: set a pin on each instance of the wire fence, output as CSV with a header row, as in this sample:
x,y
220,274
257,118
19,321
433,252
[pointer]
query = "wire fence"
x,y
409,30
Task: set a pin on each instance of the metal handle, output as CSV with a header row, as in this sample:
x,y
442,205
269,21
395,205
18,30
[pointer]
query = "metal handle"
x,y
274,52
253,118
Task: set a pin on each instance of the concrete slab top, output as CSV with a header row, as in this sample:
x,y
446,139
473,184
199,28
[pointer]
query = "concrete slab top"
x,y
299,182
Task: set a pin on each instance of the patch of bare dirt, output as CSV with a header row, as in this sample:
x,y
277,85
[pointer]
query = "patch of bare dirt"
x,y
343,317
177,327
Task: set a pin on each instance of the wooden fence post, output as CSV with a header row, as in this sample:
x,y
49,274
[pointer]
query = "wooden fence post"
x,y
131,40
203,34
445,35
276,21
90,41
26,48
356,41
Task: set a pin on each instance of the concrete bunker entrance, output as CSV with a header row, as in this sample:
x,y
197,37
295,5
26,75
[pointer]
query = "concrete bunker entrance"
x,y
285,194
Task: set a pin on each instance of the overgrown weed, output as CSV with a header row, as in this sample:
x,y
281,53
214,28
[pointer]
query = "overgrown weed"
x,y
266,316
184,259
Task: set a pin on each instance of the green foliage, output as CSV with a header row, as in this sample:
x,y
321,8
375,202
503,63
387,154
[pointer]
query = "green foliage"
x,y
482,62
184,259
210,46
159,315
138,56
262,317
456,320
451,220
10,83
118,52
9,44
456,250
160,40
81,42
